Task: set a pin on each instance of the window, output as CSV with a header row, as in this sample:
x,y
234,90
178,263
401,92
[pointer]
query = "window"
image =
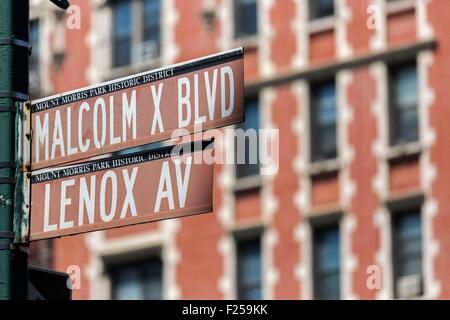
x,y
245,18
249,269
323,121
122,31
251,151
320,8
403,94
135,40
137,281
326,263
152,23
407,250
34,58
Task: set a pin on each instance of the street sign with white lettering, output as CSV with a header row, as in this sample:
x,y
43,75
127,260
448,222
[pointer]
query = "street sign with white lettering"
x,y
194,96
123,190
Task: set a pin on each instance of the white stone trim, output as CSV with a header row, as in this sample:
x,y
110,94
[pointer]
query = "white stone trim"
x,y
99,247
99,42
344,48
226,216
227,285
269,204
346,151
424,28
383,256
380,182
270,273
302,232
301,127
266,34
170,17
225,18
303,270
378,41
348,260
431,245
171,256
99,283
300,28
428,170
117,246
380,146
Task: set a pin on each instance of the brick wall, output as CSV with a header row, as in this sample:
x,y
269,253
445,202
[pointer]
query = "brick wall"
x,y
199,250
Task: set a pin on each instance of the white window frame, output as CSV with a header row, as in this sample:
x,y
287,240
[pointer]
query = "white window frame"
x,y
136,40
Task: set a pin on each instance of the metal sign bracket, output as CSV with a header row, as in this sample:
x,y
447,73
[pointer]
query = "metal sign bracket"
x,y
23,174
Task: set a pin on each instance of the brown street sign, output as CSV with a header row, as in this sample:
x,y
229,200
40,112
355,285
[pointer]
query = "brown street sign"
x,y
197,95
123,190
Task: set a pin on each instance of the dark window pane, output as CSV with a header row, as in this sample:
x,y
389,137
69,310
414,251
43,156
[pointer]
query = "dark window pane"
x,y
137,281
326,263
152,25
408,124
251,122
404,97
320,8
126,284
327,142
153,280
246,18
328,287
323,121
408,242
34,58
249,269
122,29
252,294
407,229
411,266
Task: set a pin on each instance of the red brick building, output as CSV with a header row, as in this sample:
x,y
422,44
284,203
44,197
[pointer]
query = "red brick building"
x,y
360,206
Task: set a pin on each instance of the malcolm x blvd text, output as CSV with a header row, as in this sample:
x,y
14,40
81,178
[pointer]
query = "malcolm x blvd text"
x,y
138,110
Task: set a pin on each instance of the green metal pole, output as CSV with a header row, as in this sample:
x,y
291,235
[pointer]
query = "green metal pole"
x,y
14,53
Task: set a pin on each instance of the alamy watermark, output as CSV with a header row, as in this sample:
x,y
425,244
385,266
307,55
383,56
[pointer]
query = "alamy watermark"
x,y
374,19
233,147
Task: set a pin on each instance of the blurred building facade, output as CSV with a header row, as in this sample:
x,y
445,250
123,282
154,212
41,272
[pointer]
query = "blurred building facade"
x,y
360,206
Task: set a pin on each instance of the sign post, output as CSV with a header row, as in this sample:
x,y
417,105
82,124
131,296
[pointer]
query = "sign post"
x,y
14,51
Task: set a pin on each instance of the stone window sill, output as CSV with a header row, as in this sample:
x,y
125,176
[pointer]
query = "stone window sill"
x,y
398,7
249,43
403,151
324,167
247,183
119,72
321,25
